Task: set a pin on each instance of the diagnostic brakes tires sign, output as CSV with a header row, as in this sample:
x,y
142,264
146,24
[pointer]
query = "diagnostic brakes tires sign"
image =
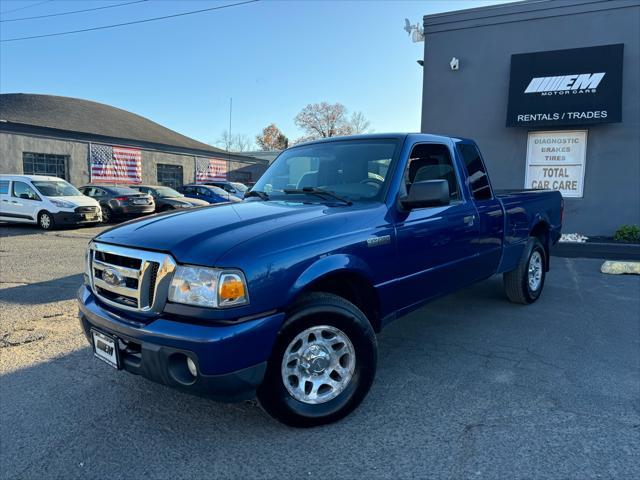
x,y
556,161
579,86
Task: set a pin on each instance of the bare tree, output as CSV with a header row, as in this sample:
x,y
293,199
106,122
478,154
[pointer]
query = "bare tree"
x,y
242,143
272,139
359,124
322,120
238,142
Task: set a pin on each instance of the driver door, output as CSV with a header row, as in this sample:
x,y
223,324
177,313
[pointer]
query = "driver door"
x,y
435,244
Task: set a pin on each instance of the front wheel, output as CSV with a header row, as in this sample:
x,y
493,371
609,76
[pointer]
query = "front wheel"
x,y
524,284
45,221
322,365
107,215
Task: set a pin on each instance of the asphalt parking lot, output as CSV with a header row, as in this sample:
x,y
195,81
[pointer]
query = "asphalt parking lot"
x,y
469,386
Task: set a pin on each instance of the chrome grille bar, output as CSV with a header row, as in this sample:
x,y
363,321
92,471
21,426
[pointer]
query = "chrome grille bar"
x,y
122,287
124,271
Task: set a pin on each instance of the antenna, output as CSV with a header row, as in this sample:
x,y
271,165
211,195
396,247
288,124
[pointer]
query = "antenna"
x,y
416,32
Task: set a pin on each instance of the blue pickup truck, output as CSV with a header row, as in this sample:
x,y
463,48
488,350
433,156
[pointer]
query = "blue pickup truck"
x,y
281,296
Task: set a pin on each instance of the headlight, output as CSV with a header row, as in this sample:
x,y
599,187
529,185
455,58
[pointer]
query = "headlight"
x,y
208,287
63,204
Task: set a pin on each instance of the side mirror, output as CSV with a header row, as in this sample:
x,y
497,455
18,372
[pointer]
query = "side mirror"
x,y
427,193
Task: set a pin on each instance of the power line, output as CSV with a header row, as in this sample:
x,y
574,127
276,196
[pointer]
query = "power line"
x,y
72,12
146,20
25,7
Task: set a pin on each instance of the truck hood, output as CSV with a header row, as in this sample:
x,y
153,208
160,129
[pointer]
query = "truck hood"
x,y
201,236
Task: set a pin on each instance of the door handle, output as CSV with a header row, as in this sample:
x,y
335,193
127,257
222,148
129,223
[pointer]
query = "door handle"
x,y
17,203
469,220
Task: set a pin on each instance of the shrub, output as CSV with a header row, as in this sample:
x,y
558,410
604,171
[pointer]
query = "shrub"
x,y
627,233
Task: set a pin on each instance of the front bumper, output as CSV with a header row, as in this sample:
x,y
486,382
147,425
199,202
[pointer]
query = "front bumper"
x,y
73,218
231,359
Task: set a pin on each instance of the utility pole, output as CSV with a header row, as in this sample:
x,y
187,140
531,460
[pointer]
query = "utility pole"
x,y
230,138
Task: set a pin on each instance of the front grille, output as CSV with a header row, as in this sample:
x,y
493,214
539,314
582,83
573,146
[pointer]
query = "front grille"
x,y
119,260
153,275
131,279
86,210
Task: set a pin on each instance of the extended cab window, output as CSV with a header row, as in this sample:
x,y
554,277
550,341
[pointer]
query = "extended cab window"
x,y
478,179
22,190
431,161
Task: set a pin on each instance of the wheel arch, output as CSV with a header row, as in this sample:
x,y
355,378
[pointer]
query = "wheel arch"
x,y
345,276
541,230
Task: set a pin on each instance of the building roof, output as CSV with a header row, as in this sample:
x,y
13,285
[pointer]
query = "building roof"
x,y
268,155
85,117
515,12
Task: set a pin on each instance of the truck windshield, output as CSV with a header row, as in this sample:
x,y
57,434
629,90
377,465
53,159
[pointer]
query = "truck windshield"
x,y
354,169
56,188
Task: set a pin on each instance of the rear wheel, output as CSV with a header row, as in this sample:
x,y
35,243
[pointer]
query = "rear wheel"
x,y
45,221
322,365
524,284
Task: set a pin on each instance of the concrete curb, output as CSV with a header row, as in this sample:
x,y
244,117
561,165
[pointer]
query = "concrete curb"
x,y
609,251
620,268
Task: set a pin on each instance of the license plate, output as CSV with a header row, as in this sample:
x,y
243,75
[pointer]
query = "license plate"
x,y
140,201
89,216
105,348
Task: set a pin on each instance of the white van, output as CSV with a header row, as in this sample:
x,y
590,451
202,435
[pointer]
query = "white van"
x,y
47,201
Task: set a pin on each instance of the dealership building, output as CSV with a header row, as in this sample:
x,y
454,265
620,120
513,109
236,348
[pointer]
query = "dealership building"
x,y
84,141
550,90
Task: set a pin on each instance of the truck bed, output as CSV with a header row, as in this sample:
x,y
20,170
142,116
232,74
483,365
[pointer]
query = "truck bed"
x,y
524,209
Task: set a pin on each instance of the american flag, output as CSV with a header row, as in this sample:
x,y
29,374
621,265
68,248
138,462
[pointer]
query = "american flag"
x,y
210,169
115,164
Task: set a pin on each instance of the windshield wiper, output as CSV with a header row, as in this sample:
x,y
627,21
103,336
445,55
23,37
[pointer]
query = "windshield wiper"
x,y
319,192
257,193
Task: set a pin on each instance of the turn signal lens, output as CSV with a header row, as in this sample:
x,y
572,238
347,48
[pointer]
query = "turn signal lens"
x,y
231,290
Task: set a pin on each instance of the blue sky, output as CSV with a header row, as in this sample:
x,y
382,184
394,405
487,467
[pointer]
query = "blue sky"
x,y
272,57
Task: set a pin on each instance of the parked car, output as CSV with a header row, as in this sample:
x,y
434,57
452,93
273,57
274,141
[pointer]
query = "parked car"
x,y
280,296
208,193
118,202
46,201
167,198
236,189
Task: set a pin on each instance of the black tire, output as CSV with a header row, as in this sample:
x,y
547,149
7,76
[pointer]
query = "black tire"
x,y
107,215
516,282
45,221
318,309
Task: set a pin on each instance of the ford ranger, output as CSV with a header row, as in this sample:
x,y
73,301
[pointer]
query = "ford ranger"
x,y
280,296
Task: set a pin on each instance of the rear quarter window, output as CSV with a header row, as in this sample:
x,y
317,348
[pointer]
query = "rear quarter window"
x,y
476,171
4,187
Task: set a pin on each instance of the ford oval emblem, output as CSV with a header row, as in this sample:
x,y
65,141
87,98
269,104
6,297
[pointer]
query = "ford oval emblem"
x,y
112,277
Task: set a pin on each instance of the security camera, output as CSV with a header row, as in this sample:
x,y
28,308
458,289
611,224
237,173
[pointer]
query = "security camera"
x,y
454,63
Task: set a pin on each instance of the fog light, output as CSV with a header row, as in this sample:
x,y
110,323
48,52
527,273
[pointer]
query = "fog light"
x,y
192,367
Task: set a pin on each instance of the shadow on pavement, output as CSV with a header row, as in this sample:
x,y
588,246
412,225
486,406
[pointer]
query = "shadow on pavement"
x,y
48,291
17,230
